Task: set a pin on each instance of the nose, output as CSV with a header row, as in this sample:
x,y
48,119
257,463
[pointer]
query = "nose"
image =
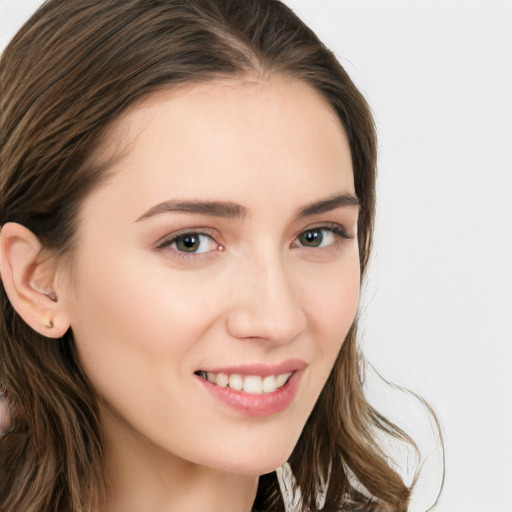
x,y
266,304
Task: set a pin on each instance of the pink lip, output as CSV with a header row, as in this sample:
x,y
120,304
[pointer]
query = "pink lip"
x,y
258,405
292,365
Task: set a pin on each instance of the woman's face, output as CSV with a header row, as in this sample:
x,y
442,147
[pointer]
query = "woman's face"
x,y
220,254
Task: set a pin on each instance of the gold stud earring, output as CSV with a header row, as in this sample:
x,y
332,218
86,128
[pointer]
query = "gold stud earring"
x,y
47,320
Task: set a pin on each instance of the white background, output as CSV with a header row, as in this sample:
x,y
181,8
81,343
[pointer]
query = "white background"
x,y
438,308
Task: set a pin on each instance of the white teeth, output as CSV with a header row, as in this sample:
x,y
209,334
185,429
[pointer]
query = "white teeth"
x,y
269,384
222,380
282,379
252,384
236,382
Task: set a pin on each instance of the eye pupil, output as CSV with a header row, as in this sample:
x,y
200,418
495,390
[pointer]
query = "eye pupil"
x,y
312,238
188,243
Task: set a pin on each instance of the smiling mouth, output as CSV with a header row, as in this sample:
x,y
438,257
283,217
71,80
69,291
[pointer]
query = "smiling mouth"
x,y
250,384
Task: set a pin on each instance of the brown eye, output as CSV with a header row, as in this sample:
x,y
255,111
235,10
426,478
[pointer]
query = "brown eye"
x,y
188,243
320,237
193,243
312,238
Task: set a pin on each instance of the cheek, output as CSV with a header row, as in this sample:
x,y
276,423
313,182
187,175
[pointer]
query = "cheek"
x,y
125,316
332,304
137,321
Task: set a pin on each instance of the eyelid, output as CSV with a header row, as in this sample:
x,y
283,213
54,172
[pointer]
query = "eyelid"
x,y
335,227
167,240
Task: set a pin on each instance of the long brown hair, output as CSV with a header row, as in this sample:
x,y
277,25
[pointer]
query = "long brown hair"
x,y
68,74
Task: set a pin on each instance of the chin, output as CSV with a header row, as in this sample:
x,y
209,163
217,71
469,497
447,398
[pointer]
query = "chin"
x,y
255,467
262,460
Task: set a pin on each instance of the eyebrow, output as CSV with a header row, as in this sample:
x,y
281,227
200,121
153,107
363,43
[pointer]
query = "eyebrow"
x,y
331,203
214,208
231,210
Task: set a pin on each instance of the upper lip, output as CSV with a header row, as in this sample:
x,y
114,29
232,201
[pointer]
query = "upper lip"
x,y
261,369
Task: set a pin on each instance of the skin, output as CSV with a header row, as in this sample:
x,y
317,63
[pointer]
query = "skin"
x,y
145,317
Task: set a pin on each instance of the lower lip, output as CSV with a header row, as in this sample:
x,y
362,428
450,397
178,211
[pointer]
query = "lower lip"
x,y
256,405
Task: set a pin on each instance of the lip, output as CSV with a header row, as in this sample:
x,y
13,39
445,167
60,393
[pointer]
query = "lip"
x,y
258,405
260,369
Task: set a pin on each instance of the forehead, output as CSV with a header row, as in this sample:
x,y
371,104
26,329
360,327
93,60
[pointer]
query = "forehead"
x,y
231,139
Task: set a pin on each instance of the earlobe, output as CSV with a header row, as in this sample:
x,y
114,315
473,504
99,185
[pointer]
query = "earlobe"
x,y
28,273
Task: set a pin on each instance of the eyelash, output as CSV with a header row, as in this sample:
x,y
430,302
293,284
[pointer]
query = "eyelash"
x,y
167,242
334,228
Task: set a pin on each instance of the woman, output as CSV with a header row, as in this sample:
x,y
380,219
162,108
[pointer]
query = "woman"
x,y
187,203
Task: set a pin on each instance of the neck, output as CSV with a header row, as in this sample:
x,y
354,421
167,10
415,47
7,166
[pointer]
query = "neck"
x,y
143,476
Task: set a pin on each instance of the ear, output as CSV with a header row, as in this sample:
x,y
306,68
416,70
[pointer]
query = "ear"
x,y
30,275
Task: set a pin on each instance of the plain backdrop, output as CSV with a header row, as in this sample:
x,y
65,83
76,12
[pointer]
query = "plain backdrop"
x,y
437,309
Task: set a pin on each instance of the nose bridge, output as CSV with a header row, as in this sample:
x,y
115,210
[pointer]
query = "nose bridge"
x,y
266,304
